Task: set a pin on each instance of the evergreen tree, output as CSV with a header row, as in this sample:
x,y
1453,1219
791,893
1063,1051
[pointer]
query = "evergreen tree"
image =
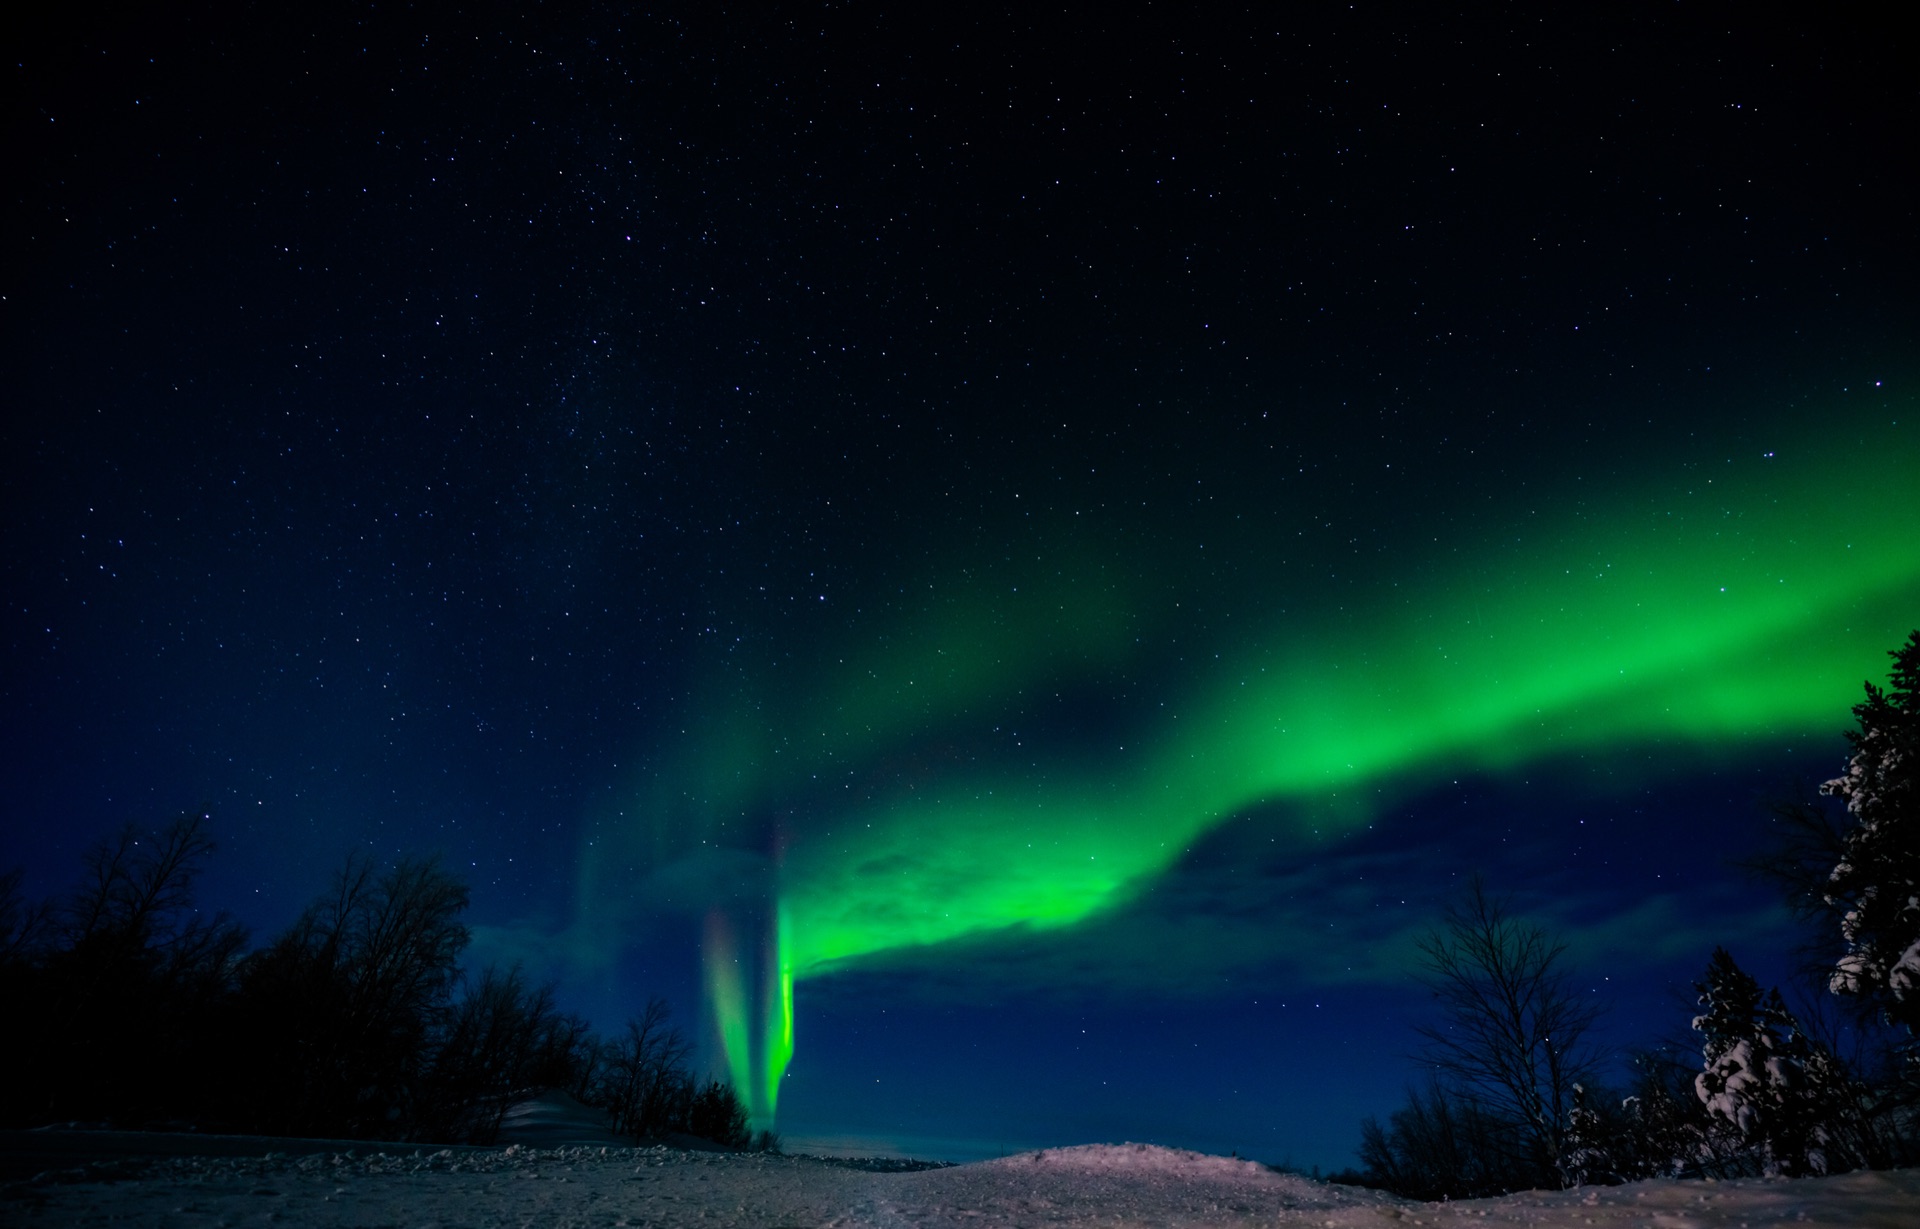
x,y
1767,1089
1875,887
1730,1087
1878,872
1854,875
1665,1132
1586,1152
1877,880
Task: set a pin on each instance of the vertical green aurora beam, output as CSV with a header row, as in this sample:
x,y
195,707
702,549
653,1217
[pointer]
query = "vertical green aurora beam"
x,y
776,1038
1708,609
727,998
756,1056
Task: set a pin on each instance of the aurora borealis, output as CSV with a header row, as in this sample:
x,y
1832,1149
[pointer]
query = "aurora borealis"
x,y
1004,563
1675,612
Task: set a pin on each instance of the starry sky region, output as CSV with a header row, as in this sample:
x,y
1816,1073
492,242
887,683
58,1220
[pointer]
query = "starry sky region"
x,y
1008,562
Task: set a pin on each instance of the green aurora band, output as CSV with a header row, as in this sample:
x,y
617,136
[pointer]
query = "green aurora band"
x,y
1716,608
755,1064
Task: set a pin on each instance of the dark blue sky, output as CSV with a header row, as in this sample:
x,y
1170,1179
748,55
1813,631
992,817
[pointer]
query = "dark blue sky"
x,y
495,434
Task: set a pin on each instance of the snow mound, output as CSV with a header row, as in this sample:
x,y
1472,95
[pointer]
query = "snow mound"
x,y
1141,1184
1137,1159
555,1120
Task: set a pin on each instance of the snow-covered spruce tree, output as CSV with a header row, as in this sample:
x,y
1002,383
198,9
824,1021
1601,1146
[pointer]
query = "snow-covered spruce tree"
x,y
1877,880
1586,1152
1767,1089
1665,1130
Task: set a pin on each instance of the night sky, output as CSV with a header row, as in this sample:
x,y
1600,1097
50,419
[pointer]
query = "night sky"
x,y
1053,544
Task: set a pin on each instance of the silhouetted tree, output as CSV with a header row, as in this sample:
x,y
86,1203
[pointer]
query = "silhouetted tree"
x,y
501,1038
24,925
718,1114
344,1007
1443,1144
646,1087
124,1004
1511,1035
126,979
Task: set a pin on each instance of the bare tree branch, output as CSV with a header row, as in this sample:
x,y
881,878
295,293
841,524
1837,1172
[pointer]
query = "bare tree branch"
x,y
1511,1032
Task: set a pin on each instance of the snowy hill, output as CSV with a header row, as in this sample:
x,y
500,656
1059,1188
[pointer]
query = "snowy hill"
x,y
1103,1184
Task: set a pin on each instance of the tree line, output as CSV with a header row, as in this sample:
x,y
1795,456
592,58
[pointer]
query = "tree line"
x,y
1516,1094
128,1006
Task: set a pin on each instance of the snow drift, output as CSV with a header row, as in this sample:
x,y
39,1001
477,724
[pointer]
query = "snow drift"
x,y
1102,1184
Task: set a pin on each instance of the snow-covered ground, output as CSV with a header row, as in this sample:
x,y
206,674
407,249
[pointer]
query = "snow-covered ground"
x,y
1096,1185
